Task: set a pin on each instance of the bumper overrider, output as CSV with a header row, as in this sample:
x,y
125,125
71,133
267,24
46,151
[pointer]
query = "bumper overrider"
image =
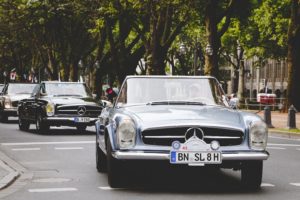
x,y
230,156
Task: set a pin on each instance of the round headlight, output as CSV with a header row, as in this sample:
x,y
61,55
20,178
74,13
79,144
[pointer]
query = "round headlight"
x,y
258,135
50,109
7,103
126,132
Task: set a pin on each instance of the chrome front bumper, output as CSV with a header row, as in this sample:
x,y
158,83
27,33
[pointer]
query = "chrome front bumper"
x,y
165,156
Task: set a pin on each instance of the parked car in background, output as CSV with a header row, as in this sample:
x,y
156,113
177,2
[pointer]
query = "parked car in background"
x,y
59,104
10,96
181,120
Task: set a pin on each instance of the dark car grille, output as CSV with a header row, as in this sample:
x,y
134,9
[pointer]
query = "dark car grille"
x,y
165,137
73,110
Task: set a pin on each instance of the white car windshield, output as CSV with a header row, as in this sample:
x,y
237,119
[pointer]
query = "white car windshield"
x,y
67,89
20,88
171,90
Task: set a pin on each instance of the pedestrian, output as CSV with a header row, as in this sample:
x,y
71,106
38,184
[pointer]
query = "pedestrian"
x,y
233,102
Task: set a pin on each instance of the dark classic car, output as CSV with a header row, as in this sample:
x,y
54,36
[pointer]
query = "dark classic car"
x,y
59,104
11,94
182,121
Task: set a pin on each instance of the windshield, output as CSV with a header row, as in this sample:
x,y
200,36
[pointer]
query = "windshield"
x,y
67,89
20,88
171,90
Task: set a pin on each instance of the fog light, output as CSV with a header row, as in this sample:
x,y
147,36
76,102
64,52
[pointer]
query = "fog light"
x,y
214,145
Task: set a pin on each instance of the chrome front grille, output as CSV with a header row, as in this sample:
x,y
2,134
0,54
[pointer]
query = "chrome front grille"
x,y
165,137
91,111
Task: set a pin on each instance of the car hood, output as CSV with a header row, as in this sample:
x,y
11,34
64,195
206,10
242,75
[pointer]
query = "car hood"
x,y
18,97
72,100
187,115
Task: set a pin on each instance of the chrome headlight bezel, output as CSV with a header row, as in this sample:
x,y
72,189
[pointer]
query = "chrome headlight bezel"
x,y
50,109
258,135
126,134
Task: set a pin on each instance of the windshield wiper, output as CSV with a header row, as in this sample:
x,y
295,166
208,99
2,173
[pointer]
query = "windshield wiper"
x,y
176,103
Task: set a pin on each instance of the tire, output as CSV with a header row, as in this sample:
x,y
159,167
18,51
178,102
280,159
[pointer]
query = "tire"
x,y
81,128
3,118
252,174
41,127
23,124
101,161
114,168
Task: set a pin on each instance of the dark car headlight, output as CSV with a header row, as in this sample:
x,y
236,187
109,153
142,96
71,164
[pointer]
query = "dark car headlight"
x,y
258,135
126,134
50,109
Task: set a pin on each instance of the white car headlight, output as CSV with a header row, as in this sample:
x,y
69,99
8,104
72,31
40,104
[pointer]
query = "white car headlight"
x,y
50,109
7,103
258,135
126,134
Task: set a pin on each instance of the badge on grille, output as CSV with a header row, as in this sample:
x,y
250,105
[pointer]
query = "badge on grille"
x,y
81,110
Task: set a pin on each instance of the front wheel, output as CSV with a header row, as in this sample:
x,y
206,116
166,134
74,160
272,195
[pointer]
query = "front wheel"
x,y
41,127
252,174
23,124
3,117
114,168
101,161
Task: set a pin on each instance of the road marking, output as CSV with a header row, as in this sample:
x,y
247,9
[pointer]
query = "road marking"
x,y
288,145
46,143
26,149
68,148
283,138
53,190
295,184
109,188
267,185
276,148
106,188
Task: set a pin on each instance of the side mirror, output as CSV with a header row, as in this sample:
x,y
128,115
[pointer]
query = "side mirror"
x,y
43,94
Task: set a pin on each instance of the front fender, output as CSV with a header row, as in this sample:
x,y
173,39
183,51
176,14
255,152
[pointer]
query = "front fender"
x,y
112,136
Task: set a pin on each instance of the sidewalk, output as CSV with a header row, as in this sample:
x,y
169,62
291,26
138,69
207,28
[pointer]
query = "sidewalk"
x,y
279,120
7,174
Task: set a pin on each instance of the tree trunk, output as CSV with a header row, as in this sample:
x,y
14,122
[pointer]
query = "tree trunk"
x,y
241,86
293,58
211,60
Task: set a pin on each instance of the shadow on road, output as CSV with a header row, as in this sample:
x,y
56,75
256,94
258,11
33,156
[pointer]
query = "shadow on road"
x,y
184,179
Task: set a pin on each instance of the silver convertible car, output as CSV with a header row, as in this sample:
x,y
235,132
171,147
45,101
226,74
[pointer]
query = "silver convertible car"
x,y
180,120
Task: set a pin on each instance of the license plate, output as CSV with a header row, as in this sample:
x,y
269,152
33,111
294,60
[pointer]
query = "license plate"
x,y
81,119
195,157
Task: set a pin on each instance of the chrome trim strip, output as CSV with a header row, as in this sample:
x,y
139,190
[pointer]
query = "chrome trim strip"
x,y
163,136
165,156
178,136
222,137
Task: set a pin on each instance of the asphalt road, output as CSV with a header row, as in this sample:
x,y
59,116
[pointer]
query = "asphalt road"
x,y
62,166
